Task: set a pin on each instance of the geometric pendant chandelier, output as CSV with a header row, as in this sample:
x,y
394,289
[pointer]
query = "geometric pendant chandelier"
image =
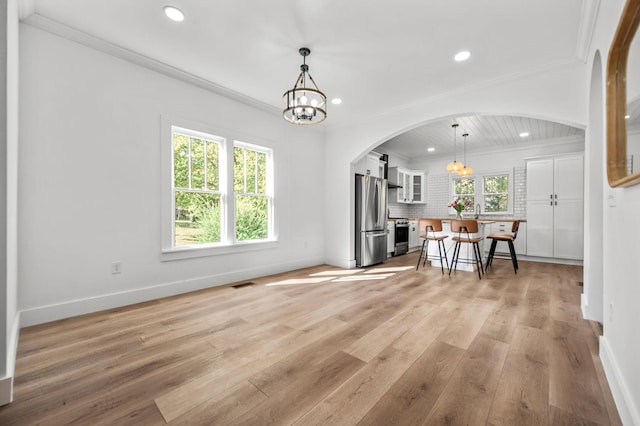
x,y
305,103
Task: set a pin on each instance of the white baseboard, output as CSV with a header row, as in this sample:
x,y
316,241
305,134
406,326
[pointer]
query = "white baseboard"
x,y
624,401
341,263
6,383
550,260
72,308
6,390
584,305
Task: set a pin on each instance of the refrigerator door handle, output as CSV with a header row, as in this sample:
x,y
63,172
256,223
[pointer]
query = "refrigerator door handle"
x,y
381,217
380,234
376,203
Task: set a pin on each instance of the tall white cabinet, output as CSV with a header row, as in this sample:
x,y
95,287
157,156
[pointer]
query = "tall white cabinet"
x,y
555,207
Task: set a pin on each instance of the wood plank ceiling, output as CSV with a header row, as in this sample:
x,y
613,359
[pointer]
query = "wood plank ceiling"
x,y
485,132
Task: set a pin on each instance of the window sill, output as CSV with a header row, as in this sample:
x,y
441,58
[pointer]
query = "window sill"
x,y
190,252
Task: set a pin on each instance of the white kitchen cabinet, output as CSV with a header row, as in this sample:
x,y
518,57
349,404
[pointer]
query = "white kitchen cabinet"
x,y
417,187
555,207
411,183
404,195
414,240
370,165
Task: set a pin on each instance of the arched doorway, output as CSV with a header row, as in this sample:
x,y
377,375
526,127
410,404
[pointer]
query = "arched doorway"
x,y
592,298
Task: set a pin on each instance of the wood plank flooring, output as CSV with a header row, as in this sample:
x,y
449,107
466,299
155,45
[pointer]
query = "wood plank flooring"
x,y
385,345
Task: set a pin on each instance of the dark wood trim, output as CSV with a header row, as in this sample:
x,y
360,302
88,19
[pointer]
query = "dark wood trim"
x,y
616,103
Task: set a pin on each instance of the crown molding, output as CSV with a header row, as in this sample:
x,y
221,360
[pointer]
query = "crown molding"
x,y
588,19
26,8
54,27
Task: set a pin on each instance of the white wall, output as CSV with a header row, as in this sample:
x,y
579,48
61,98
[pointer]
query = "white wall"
x,y
557,94
90,182
8,195
620,344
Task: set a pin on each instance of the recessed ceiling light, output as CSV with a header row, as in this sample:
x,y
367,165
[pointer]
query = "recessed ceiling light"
x,y
431,149
462,56
336,101
626,117
524,134
174,13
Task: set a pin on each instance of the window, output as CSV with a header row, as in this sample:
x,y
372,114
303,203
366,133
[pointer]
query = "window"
x,y
253,202
217,194
493,191
464,190
496,193
196,188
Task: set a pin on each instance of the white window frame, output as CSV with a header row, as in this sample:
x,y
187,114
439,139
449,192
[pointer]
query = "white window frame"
x,y
228,244
479,191
222,185
269,190
455,196
509,193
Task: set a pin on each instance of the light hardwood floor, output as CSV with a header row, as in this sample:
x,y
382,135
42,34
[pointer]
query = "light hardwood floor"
x,y
381,346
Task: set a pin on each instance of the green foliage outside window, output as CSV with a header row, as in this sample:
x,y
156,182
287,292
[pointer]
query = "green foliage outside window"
x,y
463,191
253,215
196,180
250,186
496,193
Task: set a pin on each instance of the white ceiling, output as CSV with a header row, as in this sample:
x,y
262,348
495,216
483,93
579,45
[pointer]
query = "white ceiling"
x,y
376,56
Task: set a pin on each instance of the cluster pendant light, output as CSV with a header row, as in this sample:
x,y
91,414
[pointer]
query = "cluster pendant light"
x,y
454,166
305,103
466,171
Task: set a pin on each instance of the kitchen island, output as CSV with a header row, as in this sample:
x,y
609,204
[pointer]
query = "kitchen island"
x,y
486,226
466,260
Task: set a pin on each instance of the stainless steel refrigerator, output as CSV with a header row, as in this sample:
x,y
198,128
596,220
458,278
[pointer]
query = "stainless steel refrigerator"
x,y
371,220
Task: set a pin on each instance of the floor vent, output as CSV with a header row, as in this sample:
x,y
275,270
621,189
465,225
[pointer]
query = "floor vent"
x,y
243,284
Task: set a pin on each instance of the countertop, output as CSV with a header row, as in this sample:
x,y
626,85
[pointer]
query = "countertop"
x,y
482,219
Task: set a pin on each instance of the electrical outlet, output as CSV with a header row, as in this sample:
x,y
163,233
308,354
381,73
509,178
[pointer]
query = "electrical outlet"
x,y
116,267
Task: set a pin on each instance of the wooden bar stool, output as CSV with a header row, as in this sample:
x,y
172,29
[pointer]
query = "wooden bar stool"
x,y
509,238
431,226
465,228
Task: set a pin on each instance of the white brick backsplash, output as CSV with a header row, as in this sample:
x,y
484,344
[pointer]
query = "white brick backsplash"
x,y
520,190
438,197
397,210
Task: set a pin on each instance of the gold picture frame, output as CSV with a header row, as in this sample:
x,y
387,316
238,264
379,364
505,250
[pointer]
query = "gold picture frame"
x,y
616,104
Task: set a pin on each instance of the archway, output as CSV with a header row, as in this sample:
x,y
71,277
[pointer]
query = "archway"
x,y
593,296
546,95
